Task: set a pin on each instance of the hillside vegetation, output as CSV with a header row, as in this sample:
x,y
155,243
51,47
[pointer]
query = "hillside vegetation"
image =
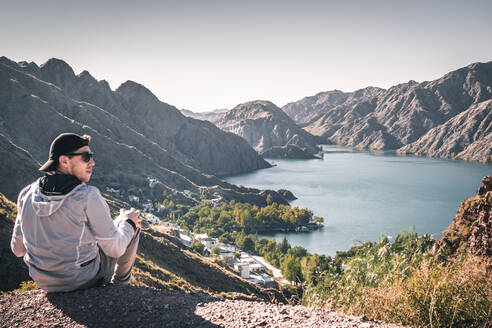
x,y
12,269
416,280
413,280
162,262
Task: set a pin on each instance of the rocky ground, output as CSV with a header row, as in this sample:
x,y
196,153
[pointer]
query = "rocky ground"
x,y
129,306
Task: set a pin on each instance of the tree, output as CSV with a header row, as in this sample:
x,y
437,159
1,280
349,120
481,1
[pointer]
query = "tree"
x,y
245,218
284,246
311,268
291,269
248,245
197,247
269,199
215,251
298,251
205,194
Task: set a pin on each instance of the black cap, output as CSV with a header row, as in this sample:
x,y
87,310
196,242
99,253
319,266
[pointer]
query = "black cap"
x,y
64,144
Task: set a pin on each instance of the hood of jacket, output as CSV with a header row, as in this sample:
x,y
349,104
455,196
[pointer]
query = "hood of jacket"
x,y
51,191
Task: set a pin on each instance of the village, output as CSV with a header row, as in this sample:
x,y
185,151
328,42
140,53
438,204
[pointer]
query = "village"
x,y
254,269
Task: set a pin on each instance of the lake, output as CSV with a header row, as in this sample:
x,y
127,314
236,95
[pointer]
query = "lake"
x,y
362,195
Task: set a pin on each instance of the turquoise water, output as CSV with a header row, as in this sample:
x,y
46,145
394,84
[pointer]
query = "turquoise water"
x,y
362,195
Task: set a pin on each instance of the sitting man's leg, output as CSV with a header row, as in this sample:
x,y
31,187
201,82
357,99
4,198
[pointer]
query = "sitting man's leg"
x,y
124,264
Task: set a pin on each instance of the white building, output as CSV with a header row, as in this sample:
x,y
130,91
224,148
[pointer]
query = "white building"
x,y
227,255
210,242
133,198
187,193
185,239
113,190
256,266
151,217
229,248
170,225
243,269
261,279
246,258
216,202
148,207
200,235
152,182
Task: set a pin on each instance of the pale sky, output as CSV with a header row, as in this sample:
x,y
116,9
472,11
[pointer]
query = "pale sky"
x,y
205,55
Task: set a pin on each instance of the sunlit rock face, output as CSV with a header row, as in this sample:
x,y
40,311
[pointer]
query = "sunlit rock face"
x,y
134,135
269,130
373,118
471,229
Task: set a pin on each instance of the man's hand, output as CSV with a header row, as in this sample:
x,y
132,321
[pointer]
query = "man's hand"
x,y
133,215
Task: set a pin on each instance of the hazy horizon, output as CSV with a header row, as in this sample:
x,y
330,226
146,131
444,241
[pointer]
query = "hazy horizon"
x,y
203,56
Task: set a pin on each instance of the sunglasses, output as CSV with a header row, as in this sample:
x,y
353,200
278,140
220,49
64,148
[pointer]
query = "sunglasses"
x,y
86,156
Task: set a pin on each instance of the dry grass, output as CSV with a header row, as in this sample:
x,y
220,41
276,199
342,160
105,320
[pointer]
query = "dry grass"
x,y
456,294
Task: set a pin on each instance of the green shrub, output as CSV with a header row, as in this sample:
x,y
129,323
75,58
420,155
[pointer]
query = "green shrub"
x,y
215,251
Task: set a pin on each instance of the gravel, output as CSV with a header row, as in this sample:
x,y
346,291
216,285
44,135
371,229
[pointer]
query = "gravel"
x,y
130,306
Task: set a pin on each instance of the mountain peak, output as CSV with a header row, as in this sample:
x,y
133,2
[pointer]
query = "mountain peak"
x,y
86,76
57,64
58,72
479,65
6,61
266,126
255,108
132,89
264,103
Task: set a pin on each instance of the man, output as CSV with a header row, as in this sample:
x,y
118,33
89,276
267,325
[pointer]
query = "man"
x,y
64,227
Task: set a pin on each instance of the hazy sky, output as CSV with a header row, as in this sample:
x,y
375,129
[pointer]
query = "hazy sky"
x,y
205,55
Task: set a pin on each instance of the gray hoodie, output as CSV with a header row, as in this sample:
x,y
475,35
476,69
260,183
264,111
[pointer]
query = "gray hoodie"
x,y
60,236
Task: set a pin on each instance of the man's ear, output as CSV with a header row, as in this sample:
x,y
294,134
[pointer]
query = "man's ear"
x,y
62,160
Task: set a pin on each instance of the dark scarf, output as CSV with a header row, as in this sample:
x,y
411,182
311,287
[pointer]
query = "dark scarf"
x,y
58,184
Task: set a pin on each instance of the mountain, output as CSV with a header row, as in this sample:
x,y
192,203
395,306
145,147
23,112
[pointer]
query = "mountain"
x,y
265,126
205,116
374,118
466,136
304,110
136,137
19,166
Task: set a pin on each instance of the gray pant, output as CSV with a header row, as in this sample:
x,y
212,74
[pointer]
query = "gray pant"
x,y
116,270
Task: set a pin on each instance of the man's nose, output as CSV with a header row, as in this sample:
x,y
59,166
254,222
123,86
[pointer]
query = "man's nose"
x,y
92,161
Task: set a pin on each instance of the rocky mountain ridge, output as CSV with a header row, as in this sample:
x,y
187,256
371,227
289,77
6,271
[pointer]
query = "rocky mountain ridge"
x,y
135,136
467,135
306,109
211,116
398,117
269,130
140,109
